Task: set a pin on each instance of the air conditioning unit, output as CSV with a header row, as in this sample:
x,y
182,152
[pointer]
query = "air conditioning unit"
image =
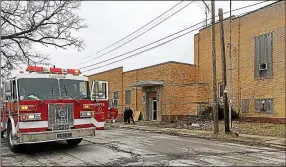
x,y
262,66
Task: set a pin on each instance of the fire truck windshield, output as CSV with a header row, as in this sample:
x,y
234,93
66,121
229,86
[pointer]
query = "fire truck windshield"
x,y
38,88
73,89
50,88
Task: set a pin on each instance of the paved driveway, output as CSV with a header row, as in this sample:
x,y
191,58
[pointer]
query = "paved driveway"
x,y
131,147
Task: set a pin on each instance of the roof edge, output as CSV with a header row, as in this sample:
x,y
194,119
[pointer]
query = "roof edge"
x,y
160,64
106,71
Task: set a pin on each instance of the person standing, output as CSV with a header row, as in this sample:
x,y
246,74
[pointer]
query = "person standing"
x,y
125,115
131,115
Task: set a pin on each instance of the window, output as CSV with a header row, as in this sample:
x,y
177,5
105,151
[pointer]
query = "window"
x,y
244,105
115,99
264,105
220,90
127,96
14,90
110,103
263,61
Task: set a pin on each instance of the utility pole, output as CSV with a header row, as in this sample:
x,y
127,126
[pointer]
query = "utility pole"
x,y
215,107
207,10
230,67
1,97
223,65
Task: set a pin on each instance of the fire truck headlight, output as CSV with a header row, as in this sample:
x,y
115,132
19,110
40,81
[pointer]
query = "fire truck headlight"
x,y
86,114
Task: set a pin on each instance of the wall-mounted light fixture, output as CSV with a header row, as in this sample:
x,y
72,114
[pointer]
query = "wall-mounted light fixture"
x,y
158,97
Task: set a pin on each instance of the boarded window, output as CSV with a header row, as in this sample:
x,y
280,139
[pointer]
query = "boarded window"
x,y
127,96
115,99
264,105
245,105
263,59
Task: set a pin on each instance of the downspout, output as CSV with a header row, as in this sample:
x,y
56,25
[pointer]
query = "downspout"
x,y
238,63
122,106
285,62
136,92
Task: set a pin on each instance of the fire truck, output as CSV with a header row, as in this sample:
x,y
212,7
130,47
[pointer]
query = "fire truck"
x,y
45,104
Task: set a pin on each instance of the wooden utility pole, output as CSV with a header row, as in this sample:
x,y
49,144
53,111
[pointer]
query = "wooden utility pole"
x,y
215,107
223,65
230,71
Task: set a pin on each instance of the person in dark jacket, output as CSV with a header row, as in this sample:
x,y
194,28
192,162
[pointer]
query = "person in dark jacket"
x,y
126,115
131,115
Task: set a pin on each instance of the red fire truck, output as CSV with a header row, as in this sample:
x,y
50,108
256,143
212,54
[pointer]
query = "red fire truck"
x,y
45,104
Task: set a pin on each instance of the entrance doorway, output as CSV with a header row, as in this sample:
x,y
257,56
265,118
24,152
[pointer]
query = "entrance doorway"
x,y
154,109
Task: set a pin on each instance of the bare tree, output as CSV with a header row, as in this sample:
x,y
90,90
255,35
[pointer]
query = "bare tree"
x,y
28,23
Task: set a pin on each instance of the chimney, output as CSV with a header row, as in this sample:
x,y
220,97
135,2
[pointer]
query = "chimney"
x,y
54,66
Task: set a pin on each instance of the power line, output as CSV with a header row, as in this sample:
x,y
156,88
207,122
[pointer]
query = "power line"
x,y
142,46
160,40
146,49
164,38
141,27
134,31
139,34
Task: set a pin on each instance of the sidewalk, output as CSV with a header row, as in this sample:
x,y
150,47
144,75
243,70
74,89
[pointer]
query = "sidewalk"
x,y
277,142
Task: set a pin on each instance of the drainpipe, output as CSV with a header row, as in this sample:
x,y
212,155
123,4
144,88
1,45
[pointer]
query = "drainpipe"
x,y
136,91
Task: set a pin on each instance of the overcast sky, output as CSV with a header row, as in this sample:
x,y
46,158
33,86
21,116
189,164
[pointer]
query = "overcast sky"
x,y
108,22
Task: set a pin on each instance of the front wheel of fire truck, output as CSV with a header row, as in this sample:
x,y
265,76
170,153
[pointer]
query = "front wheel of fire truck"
x,y
73,142
11,142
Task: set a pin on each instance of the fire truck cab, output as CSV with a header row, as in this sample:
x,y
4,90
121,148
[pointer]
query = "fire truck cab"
x,y
45,104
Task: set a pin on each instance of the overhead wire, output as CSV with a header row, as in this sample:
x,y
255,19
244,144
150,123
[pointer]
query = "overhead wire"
x,y
145,50
158,17
133,31
166,37
143,46
160,40
137,35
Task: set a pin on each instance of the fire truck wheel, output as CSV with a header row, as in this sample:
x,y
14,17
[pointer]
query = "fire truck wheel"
x,y
73,142
14,148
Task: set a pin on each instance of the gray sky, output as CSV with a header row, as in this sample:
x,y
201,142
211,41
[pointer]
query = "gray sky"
x,y
110,21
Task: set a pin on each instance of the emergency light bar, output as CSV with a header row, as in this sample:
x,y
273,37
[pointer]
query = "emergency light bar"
x,y
52,70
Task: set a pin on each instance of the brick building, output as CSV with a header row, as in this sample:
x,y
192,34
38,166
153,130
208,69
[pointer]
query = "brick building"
x,y
258,61
174,89
161,92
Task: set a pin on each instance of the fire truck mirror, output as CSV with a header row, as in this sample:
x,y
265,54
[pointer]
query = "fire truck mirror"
x,y
8,94
99,87
7,85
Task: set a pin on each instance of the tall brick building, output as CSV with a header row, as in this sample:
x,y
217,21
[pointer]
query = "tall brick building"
x,y
170,90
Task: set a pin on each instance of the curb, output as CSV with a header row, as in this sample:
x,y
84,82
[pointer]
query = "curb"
x,y
165,131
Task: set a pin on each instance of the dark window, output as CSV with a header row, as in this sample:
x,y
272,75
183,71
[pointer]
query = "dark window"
x,y
127,96
245,105
115,99
221,90
14,90
263,59
264,105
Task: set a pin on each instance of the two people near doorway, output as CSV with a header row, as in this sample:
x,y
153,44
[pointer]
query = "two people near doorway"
x,y
128,114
